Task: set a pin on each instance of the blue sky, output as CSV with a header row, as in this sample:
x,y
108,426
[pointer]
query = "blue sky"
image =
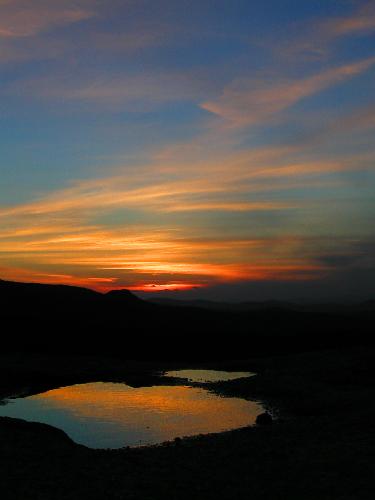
x,y
219,149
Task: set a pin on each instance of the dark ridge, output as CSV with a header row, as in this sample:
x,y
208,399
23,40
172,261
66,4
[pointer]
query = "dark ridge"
x,y
62,318
35,289
125,297
264,305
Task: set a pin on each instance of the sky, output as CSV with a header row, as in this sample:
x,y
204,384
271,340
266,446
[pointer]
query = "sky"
x,y
217,149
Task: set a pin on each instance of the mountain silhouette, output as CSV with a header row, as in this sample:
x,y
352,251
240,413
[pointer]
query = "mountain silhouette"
x,y
40,299
125,298
62,318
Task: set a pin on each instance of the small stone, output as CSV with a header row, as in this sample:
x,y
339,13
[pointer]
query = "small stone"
x,y
264,419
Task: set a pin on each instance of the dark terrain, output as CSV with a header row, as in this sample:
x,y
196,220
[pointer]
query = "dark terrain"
x,y
315,372
59,318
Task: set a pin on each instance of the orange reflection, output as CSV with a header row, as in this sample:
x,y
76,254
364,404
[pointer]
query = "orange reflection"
x,y
167,411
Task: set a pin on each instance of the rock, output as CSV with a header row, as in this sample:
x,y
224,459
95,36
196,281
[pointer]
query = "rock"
x,y
264,419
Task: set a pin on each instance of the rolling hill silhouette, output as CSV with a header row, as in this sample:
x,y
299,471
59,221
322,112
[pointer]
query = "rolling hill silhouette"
x,y
62,318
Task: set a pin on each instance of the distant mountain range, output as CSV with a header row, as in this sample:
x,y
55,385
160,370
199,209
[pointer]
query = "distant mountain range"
x,y
60,318
266,305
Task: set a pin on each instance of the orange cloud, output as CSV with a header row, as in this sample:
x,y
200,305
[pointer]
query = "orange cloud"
x,y
53,239
361,21
226,186
173,258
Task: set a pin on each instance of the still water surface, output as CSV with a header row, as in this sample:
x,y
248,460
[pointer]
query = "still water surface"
x,y
113,415
206,376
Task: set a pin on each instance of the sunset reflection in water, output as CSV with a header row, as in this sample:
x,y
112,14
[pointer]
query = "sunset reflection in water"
x,y
113,415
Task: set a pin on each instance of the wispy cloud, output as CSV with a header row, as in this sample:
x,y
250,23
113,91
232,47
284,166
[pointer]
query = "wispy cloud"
x,y
316,40
362,21
223,197
29,32
22,18
251,102
225,186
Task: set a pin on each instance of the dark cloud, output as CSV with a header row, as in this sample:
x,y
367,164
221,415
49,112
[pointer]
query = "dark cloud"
x,y
339,260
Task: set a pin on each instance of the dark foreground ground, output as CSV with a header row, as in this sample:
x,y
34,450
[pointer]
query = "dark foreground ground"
x,y
322,447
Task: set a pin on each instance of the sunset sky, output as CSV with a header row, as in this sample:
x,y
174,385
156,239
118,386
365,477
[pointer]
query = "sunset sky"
x,y
220,149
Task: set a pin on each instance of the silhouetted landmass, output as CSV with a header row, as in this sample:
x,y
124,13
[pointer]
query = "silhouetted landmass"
x,y
314,365
59,318
368,305
321,446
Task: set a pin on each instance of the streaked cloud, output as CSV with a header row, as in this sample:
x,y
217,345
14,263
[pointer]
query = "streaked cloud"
x,y
362,21
106,258
317,40
252,102
159,151
208,186
22,18
54,236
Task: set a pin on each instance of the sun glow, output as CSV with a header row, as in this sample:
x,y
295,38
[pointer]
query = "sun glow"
x,y
160,287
